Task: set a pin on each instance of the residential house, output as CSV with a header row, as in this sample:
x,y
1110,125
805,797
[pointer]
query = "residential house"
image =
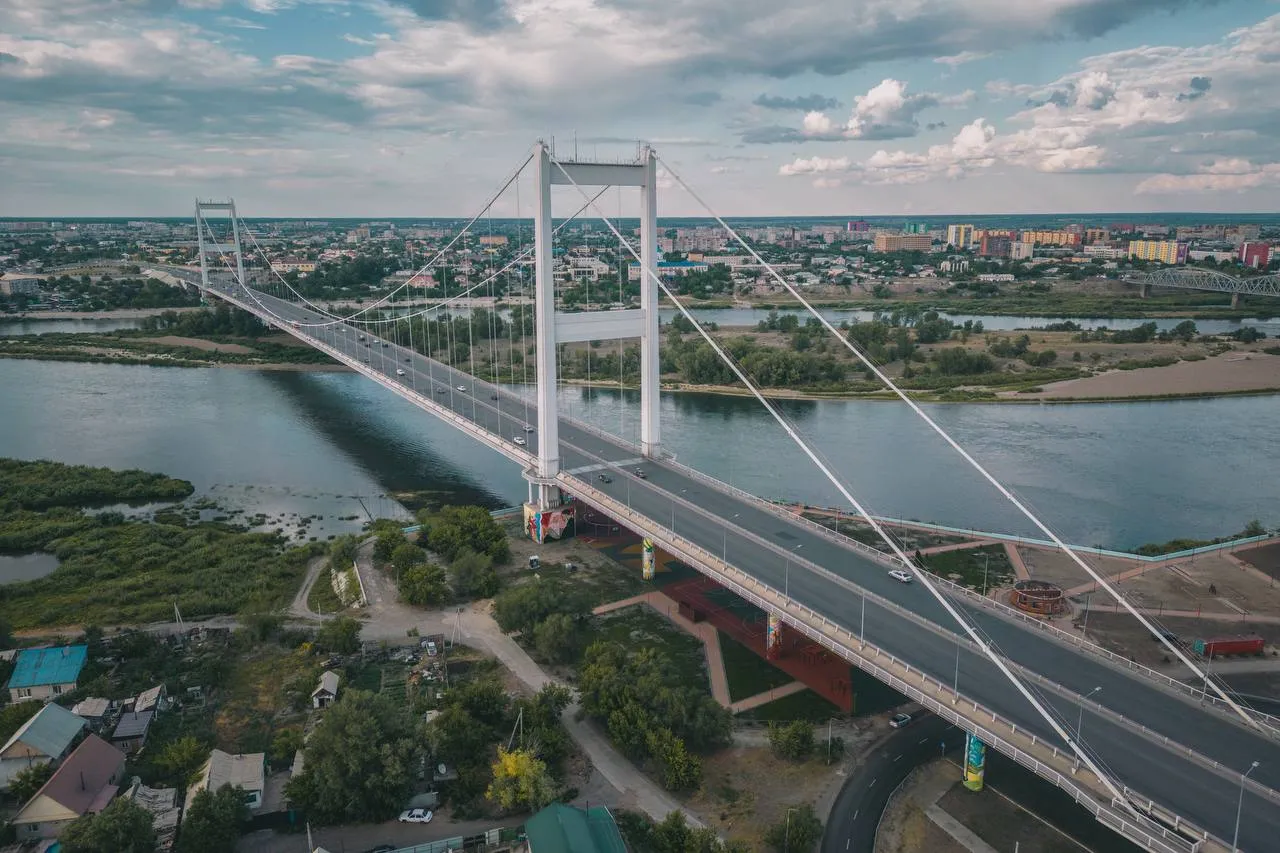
x,y
94,710
48,736
131,732
248,772
45,673
156,699
560,828
327,691
83,784
163,805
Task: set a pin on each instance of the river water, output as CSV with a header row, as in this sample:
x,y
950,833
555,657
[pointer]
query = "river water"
x,y
290,445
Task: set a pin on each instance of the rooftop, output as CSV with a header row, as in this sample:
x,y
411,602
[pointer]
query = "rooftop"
x,y
49,732
83,782
564,829
246,771
328,683
132,724
54,665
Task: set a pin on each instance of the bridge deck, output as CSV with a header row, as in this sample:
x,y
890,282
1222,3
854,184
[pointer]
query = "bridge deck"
x,y
1153,761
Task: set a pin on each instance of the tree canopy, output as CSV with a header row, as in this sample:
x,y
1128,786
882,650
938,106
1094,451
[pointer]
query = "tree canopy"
x,y
212,821
361,761
122,827
455,528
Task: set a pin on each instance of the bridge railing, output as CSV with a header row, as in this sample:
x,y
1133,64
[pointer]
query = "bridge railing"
x,y
1269,723
914,683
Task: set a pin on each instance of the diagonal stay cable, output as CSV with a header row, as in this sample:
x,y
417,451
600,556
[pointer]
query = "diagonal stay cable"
x,y
439,254
942,600
1000,487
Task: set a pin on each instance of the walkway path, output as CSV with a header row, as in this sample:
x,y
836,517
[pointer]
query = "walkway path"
x,y
300,609
1015,559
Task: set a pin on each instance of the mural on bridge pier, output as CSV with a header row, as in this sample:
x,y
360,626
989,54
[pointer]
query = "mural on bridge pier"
x,y
649,559
772,637
975,763
558,523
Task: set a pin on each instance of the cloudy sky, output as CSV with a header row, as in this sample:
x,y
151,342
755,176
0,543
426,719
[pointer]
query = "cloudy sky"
x,y
422,107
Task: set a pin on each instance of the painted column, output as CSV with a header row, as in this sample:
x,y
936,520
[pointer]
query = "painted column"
x,y
975,763
650,429
648,561
773,637
545,322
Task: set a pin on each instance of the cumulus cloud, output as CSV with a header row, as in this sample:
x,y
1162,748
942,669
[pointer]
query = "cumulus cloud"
x,y
815,165
886,111
1223,175
962,58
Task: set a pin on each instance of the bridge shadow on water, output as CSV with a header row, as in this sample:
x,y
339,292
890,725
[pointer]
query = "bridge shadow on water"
x,y
392,440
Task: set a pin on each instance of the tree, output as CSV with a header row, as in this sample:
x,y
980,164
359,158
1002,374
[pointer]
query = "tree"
x,y
180,758
674,835
473,575
212,821
556,638
284,746
361,761
122,827
799,831
13,716
28,780
459,527
407,554
793,741
520,781
341,636
680,770
423,584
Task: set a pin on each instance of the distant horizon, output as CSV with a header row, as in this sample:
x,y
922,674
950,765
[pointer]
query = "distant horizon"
x,y
852,217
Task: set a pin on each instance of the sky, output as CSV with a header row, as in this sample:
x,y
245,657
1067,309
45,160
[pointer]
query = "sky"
x,y
764,107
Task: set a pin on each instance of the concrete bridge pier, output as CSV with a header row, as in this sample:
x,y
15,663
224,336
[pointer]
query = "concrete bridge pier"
x,y
1146,290
1235,299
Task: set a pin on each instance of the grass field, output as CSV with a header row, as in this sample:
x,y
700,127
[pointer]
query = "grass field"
x,y
639,626
971,564
746,672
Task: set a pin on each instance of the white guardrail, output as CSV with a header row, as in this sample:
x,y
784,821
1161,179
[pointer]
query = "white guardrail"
x,y
915,684
1270,723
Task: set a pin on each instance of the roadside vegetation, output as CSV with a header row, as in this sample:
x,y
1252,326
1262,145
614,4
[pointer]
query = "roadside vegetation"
x,y
1155,549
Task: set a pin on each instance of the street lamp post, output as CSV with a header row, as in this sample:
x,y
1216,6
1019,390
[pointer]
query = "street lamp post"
x,y
986,563
1080,721
1235,837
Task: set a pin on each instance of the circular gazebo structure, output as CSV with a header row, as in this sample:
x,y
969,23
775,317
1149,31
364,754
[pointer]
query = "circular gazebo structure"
x,y
1039,597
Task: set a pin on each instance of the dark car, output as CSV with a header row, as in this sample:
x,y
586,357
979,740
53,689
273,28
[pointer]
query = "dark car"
x,y
406,358
639,472
604,478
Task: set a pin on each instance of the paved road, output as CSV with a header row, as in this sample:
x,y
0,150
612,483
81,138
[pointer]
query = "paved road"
x,y
856,815
718,522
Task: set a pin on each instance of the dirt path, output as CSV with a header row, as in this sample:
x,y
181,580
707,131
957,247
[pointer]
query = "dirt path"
x,y
299,608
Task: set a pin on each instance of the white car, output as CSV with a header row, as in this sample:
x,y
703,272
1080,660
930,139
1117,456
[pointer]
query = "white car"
x,y
900,576
519,439
399,371
462,387
417,816
528,428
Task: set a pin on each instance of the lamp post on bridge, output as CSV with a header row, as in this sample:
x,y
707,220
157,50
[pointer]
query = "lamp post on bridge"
x,y
1080,720
786,575
1235,836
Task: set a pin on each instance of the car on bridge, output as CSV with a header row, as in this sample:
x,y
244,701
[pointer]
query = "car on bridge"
x,y
462,387
900,576
528,428
519,439
604,478
639,472
399,371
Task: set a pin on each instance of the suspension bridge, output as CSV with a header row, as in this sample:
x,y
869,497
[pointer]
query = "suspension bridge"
x,y
1173,768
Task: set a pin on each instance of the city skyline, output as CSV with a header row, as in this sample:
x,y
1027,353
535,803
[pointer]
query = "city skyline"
x,y
417,108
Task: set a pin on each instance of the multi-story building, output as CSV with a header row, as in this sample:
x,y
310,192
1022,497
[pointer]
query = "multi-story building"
x,y
1052,238
858,225
1096,235
1256,255
1241,233
954,265
959,235
1021,251
1164,251
293,265
1200,232
1109,253
493,240
903,242
13,284
995,246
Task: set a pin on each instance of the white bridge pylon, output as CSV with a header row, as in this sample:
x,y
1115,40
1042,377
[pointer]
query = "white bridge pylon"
x,y
553,327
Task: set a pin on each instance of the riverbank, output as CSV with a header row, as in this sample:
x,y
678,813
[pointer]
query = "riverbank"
x,y
1230,373
116,314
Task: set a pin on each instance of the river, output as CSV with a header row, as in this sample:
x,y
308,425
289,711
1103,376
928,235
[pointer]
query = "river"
x,y
330,444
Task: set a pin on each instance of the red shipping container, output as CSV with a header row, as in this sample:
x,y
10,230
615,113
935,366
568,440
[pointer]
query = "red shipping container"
x,y
1220,646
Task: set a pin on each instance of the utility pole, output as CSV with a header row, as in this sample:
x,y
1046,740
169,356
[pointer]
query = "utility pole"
x,y
1235,837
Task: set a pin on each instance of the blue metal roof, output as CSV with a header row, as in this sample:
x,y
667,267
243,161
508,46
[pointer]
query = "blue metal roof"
x,y
50,731
55,665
